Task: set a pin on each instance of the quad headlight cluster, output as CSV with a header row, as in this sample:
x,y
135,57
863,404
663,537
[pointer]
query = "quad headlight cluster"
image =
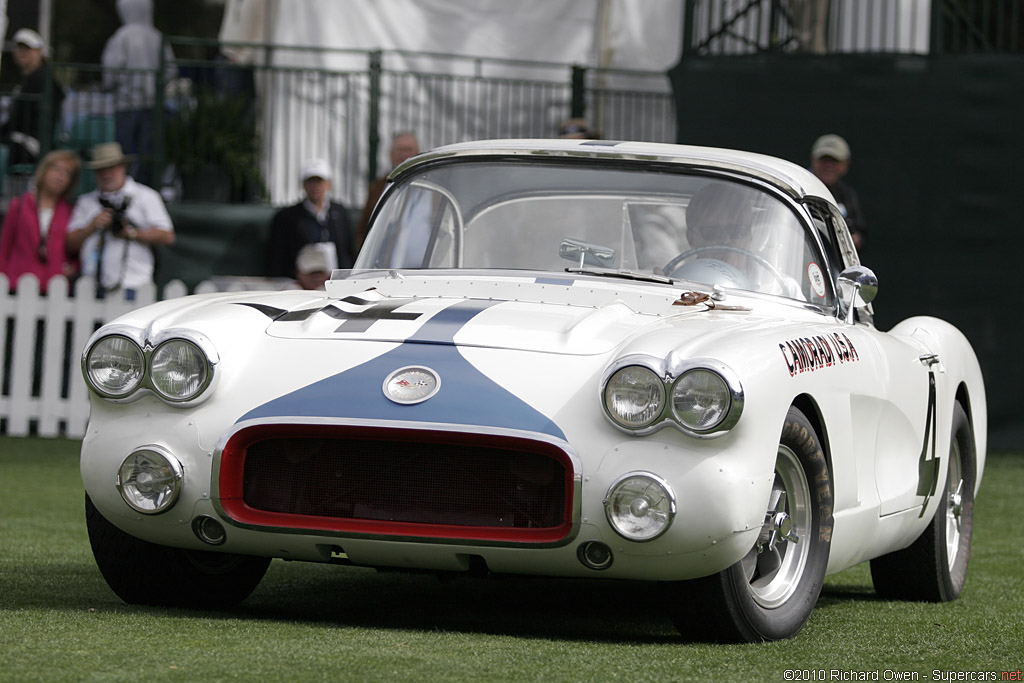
x,y
177,369
701,397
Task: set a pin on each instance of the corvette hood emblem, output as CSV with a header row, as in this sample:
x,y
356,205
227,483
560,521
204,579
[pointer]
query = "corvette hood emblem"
x,y
411,384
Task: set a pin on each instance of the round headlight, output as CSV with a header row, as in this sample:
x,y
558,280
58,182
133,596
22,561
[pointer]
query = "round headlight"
x,y
701,399
640,507
179,370
149,481
634,397
115,366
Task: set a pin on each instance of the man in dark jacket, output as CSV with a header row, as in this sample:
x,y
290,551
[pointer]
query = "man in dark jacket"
x,y
830,160
25,128
315,219
404,145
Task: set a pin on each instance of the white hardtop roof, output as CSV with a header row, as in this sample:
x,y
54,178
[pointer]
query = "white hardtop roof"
x,y
797,181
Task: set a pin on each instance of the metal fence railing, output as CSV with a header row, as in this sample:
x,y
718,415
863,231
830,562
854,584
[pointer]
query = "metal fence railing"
x,y
733,27
238,130
979,26
226,130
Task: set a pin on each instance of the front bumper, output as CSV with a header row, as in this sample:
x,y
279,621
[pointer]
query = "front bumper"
x,y
720,501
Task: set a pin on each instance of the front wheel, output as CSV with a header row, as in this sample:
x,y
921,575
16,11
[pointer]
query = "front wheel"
x,y
144,573
770,593
934,567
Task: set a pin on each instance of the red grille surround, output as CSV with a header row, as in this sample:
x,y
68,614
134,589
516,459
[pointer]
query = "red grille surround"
x,y
375,481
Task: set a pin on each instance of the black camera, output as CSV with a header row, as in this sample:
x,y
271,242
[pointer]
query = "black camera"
x,y
119,221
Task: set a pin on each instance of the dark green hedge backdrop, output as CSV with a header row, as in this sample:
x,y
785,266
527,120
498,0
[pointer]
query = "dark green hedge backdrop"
x,y
938,160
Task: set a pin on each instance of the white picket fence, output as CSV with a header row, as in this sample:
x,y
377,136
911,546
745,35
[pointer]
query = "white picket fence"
x,y
42,337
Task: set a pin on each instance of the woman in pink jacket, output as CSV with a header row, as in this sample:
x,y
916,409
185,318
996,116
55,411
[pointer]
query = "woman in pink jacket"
x,y
32,237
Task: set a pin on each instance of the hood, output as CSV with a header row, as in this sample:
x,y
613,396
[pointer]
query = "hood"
x,y
566,315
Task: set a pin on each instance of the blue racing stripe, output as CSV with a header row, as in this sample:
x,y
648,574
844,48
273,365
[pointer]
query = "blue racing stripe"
x,y
466,395
568,282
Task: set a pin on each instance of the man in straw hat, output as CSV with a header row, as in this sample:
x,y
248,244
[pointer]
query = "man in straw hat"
x,y
116,226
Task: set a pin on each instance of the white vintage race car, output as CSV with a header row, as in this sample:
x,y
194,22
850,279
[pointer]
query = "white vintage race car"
x,y
563,358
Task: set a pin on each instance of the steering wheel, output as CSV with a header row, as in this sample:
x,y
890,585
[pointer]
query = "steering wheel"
x,y
672,265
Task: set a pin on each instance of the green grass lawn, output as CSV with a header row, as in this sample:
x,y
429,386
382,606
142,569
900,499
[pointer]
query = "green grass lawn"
x,y
59,621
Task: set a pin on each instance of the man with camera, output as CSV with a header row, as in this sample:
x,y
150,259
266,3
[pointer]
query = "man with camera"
x,y
115,227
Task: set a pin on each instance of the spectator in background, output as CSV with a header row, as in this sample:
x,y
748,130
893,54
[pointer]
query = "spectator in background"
x,y
313,265
577,129
315,219
115,227
404,145
36,223
27,122
830,160
131,57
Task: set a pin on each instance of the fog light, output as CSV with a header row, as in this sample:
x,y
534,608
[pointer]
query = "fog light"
x,y
208,530
640,506
595,555
150,480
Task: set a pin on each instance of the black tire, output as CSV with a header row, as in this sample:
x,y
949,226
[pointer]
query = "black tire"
x,y
934,567
143,573
769,594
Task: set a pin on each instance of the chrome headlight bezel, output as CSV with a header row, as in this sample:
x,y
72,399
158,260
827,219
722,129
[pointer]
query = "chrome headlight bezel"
x,y
172,473
671,370
726,418
158,378
88,369
656,386
665,505
149,346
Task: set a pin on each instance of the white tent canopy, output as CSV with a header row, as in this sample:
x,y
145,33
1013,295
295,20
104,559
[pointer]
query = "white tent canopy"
x,y
539,39
628,34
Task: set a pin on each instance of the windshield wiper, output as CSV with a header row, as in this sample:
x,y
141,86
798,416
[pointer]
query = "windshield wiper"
x,y
622,274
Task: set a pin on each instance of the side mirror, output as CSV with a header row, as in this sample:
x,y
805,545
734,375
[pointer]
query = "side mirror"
x,y
856,283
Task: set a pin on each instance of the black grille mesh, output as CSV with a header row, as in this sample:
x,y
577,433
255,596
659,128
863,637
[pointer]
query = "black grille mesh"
x,y
401,481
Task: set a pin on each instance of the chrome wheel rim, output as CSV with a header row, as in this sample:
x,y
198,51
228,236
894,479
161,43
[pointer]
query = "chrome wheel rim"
x,y
954,503
774,565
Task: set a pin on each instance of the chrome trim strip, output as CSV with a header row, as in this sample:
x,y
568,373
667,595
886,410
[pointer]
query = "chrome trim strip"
x,y
641,154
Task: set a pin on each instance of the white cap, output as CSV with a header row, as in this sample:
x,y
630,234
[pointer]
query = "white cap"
x,y
830,145
29,38
318,256
316,168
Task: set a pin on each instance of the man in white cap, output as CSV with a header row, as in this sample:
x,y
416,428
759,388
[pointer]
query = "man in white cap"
x,y
314,264
315,219
115,227
830,160
26,126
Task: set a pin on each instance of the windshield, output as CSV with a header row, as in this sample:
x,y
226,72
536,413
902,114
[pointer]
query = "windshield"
x,y
557,216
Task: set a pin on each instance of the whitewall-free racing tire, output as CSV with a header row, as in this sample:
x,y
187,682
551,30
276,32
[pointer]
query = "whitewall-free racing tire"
x,y
770,593
143,573
934,567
